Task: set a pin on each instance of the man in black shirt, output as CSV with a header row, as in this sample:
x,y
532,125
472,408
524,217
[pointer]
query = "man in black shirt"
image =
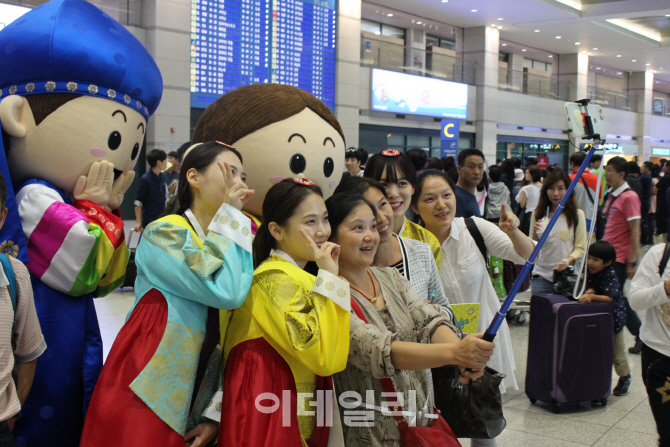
x,y
151,191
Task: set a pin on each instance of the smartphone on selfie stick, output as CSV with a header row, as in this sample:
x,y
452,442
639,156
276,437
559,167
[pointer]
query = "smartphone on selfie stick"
x,y
587,122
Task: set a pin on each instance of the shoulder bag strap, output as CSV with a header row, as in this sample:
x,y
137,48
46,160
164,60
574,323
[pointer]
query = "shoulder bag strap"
x,y
9,272
386,383
588,191
664,259
477,236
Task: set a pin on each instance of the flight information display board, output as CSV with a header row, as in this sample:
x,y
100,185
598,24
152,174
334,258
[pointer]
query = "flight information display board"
x,y
241,42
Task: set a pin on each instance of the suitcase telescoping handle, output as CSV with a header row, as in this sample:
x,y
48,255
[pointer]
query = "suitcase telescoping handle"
x,y
492,330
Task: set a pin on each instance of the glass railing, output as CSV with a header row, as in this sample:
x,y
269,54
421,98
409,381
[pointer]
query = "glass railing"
x,y
389,56
533,85
612,99
661,105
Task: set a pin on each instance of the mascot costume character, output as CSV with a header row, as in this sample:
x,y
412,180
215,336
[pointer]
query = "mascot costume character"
x,y
282,132
76,90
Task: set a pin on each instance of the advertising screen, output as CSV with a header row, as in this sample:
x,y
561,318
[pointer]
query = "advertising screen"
x,y
418,95
241,42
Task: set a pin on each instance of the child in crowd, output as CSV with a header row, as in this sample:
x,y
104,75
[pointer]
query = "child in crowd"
x,y
603,286
21,339
498,195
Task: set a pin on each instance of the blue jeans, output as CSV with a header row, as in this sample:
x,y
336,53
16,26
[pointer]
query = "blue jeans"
x,y
540,286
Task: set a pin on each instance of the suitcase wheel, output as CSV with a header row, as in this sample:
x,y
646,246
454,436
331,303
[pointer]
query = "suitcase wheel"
x,y
555,408
603,402
521,318
532,400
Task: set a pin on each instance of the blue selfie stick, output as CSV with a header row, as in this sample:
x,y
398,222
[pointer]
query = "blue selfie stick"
x,y
492,330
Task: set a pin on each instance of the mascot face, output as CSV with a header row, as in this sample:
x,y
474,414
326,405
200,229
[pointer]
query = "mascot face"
x,y
65,144
304,145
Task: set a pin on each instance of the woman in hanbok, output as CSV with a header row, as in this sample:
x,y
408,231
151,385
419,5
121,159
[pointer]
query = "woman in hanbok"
x,y
291,334
394,334
158,385
464,274
412,258
397,173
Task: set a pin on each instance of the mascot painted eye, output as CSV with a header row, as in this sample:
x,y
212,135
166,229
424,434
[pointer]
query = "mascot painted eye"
x,y
114,140
328,167
298,164
136,150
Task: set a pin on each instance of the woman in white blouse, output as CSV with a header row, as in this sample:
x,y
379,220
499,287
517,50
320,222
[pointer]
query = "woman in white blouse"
x,y
565,244
464,274
529,196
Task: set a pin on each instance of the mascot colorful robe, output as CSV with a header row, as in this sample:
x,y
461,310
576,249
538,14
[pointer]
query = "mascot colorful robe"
x,y
76,90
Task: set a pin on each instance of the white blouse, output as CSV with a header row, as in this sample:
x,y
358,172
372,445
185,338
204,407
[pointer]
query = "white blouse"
x,y
465,279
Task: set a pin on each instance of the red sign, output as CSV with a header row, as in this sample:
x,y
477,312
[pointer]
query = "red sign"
x,y
543,162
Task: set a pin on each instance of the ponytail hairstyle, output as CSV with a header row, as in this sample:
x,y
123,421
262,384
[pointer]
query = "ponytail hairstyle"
x,y
198,158
341,205
279,205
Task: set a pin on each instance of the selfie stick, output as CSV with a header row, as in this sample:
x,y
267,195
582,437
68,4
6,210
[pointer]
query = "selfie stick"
x,y
492,330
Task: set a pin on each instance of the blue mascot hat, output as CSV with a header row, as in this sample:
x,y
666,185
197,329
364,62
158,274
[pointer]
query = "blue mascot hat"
x,y
71,46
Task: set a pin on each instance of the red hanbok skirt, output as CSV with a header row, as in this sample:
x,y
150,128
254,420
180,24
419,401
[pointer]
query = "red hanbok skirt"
x,y
116,416
254,367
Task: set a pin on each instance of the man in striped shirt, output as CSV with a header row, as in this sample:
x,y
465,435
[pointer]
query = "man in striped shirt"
x,y
21,340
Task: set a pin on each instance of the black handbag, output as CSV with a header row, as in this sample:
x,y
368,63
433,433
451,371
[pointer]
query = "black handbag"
x,y
564,282
473,410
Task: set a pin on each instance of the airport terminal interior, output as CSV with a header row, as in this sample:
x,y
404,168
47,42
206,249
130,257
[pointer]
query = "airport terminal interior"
x,y
442,76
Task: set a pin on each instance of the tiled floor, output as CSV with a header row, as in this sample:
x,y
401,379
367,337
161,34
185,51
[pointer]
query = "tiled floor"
x,y
625,422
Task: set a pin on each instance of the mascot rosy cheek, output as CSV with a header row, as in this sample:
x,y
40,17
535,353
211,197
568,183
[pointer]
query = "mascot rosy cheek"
x,y
281,131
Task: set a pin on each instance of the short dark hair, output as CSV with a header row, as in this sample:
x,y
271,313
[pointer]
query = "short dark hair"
x,y
359,185
603,250
649,165
364,155
596,157
633,168
577,158
174,154
418,157
462,155
352,152
155,156
531,161
448,163
435,163
3,192
535,173
494,173
619,164
339,207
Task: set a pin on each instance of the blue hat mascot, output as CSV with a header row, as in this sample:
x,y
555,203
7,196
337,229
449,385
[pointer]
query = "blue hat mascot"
x,y
76,90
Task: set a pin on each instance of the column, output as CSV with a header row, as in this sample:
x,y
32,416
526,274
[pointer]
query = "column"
x,y
480,45
168,39
415,53
574,68
347,83
515,73
641,85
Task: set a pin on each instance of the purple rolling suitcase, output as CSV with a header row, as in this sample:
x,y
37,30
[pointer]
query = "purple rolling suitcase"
x,y
570,351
